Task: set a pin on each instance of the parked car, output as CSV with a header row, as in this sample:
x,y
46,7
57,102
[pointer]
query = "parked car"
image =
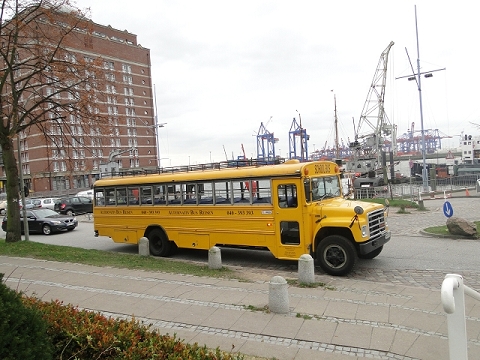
x,y
29,204
86,193
74,205
45,221
45,203
3,205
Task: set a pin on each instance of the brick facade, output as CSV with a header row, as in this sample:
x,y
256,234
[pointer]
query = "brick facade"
x,y
131,109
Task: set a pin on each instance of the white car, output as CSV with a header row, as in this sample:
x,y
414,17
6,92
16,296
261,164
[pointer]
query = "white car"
x,y
3,207
86,193
45,203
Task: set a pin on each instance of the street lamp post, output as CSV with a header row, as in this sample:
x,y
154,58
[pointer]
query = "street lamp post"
x,y
417,77
22,190
157,139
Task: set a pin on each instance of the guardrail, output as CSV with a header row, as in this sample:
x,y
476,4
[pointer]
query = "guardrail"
x,y
453,301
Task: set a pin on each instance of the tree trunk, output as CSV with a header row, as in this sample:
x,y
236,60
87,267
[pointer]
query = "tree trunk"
x,y
13,232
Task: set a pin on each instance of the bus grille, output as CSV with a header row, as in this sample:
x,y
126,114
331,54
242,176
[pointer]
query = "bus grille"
x,y
376,223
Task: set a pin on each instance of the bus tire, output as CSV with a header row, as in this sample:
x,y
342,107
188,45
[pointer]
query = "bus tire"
x,y
158,243
372,254
336,255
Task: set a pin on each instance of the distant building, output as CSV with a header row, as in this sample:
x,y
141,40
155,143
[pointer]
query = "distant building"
x,y
129,104
470,146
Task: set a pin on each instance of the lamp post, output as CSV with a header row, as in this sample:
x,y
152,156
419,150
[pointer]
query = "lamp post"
x,y
157,139
22,190
417,77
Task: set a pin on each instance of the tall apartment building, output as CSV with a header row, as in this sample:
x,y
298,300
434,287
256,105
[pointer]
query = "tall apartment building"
x,y
129,103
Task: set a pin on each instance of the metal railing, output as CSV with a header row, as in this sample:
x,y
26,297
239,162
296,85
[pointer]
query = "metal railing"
x,y
453,301
414,189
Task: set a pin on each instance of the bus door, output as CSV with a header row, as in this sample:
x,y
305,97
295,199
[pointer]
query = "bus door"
x,y
288,220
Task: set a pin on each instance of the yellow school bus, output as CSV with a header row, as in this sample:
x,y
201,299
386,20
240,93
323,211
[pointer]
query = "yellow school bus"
x,y
290,209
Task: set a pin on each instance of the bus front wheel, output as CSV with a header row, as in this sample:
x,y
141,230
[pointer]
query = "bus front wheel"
x,y
158,243
336,255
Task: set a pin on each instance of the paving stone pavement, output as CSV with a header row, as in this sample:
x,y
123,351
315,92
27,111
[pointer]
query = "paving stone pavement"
x,y
345,319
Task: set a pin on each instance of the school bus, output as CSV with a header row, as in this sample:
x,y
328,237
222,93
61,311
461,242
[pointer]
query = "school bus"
x,y
290,209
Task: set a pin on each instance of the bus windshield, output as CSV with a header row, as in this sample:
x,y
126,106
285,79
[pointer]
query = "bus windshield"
x,y
323,187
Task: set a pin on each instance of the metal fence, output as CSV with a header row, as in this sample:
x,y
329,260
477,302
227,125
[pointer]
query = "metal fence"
x,y
413,190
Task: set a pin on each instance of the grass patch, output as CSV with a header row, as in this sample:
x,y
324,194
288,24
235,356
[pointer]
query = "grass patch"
x,y
304,316
264,309
58,253
406,204
443,230
296,283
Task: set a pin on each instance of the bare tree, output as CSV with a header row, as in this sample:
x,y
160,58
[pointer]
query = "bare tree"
x,y
44,84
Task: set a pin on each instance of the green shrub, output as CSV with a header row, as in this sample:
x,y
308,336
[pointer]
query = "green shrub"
x,y
23,331
81,334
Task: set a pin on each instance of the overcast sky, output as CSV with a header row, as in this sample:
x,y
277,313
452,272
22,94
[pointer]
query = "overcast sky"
x,y
221,68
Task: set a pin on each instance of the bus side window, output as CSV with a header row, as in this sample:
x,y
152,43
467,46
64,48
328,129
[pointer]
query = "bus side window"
x,y
262,191
205,193
133,196
110,197
190,194
241,191
146,195
121,196
175,193
159,195
99,197
222,192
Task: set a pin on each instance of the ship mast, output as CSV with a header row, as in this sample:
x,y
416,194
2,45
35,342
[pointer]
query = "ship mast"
x,y
337,152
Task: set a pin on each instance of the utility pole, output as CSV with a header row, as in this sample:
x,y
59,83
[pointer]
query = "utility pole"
x,y
417,77
22,190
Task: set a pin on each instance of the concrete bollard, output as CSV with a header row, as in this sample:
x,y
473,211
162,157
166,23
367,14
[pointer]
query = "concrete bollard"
x,y
306,269
214,258
143,247
278,295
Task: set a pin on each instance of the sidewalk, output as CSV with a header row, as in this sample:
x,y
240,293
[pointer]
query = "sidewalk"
x,y
348,319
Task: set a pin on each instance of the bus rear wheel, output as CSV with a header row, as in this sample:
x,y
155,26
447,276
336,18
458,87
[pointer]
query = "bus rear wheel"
x,y
336,255
158,243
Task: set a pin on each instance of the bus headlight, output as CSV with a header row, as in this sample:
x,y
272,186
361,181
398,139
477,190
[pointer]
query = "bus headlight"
x,y
364,231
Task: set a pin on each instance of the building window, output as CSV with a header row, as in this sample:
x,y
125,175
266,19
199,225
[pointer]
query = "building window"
x,y
126,68
127,79
109,65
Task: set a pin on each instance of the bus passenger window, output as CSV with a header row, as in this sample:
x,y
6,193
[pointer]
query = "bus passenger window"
x,y
262,191
241,191
174,195
133,196
121,196
222,192
159,196
190,194
205,193
99,198
110,197
146,195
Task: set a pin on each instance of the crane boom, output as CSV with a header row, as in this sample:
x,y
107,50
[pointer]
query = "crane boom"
x,y
373,126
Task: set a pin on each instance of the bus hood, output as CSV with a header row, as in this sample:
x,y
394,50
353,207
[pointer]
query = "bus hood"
x,y
339,207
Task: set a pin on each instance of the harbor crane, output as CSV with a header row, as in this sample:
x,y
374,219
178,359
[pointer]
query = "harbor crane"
x,y
374,129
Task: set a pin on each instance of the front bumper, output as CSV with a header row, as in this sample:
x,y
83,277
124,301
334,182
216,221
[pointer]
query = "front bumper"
x,y
64,226
373,244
